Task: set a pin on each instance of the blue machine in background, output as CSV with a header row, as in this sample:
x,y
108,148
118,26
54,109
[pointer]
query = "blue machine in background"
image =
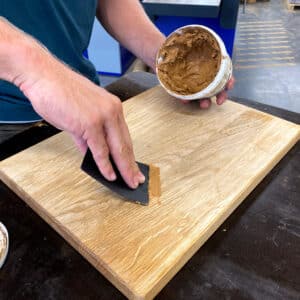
x,y
219,15
168,24
108,56
111,58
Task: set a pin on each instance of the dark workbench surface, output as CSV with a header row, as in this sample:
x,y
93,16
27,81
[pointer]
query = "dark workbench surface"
x,y
255,254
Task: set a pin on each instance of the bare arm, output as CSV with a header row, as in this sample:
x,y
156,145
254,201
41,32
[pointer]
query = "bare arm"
x,y
127,22
69,101
13,51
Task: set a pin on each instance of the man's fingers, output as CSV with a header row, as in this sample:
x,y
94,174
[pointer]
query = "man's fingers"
x,y
185,101
127,138
121,150
221,97
100,151
230,83
204,103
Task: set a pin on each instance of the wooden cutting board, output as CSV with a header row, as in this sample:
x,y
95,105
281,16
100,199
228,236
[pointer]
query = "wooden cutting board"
x,y
209,162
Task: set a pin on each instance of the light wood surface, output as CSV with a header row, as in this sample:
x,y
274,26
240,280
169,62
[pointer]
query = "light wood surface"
x,y
209,162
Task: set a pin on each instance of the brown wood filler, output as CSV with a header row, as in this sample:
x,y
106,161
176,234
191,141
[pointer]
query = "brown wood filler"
x,y
154,189
189,60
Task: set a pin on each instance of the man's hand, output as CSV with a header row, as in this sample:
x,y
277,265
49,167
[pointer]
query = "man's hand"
x,y
91,115
72,103
221,97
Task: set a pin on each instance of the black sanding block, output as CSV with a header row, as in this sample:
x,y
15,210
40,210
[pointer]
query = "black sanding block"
x,y
139,195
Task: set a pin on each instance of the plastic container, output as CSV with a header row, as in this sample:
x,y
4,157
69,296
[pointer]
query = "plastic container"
x,y
220,80
4,244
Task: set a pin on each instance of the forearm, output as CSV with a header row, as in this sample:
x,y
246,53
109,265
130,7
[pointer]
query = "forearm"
x,y
127,22
8,50
22,58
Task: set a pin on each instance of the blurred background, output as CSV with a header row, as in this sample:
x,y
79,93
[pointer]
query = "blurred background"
x,y
260,35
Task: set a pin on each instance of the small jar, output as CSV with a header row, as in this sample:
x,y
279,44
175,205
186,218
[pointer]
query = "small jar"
x,y
193,63
3,244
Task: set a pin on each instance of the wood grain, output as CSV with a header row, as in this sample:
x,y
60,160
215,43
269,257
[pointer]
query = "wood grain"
x,y
209,162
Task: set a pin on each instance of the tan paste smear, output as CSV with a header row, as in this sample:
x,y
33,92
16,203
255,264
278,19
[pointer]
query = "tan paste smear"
x,y
154,189
189,61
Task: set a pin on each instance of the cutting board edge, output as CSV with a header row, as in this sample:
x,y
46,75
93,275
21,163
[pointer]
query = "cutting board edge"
x,y
189,252
109,274
182,259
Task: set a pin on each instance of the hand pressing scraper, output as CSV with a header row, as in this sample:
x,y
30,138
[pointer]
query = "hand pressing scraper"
x,y
150,188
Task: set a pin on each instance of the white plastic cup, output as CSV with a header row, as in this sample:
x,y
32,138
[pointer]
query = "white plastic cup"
x,y
219,82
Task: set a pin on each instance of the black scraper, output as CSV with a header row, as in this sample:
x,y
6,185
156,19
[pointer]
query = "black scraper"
x,y
139,195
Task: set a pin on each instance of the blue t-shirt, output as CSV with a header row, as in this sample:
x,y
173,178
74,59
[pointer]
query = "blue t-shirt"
x,y
64,27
